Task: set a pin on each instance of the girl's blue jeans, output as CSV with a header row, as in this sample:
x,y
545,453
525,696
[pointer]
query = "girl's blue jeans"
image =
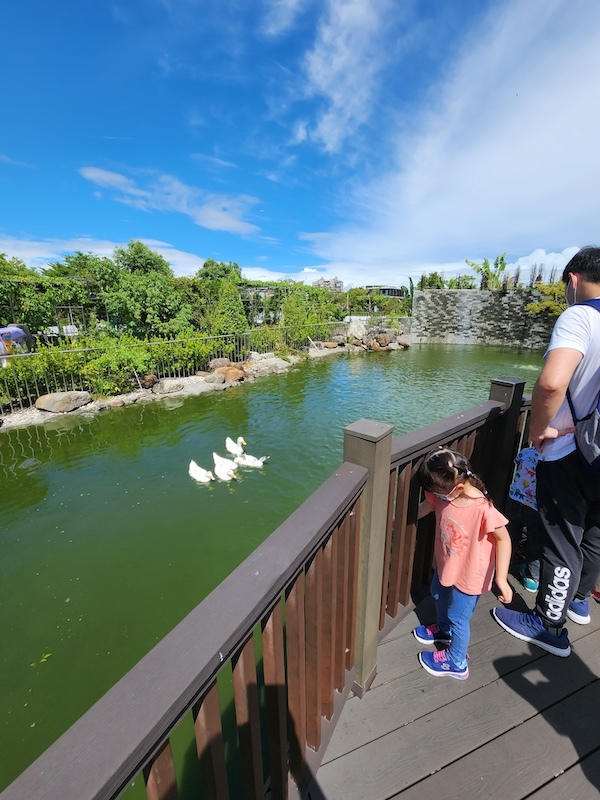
x,y
454,611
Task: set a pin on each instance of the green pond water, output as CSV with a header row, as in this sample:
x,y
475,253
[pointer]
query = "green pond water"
x,y
106,543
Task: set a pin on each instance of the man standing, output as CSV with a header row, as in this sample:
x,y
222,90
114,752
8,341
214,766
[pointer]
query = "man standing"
x,y
568,494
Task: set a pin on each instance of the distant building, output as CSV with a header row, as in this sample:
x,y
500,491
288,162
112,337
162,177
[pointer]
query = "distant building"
x,y
388,291
335,285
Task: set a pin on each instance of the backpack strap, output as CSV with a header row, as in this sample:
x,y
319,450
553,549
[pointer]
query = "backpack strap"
x,y
594,303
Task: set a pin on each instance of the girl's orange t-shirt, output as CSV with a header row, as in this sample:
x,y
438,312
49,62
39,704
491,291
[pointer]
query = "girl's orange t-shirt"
x,y
465,547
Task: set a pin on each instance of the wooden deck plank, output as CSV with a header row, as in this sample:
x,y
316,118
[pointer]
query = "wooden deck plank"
x,y
396,656
399,703
404,756
581,782
518,762
410,692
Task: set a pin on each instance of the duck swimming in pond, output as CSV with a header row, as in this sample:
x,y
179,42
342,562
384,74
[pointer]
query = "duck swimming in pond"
x,y
246,460
224,468
199,474
235,448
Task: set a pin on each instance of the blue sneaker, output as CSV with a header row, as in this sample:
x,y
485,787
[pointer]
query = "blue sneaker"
x,y
528,583
430,634
439,664
528,626
579,612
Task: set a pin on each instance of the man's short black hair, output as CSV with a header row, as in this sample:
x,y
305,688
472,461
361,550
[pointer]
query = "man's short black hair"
x,y
585,263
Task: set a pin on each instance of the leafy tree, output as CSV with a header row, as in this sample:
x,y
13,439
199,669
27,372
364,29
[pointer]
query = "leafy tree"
x,y
431,281
220,270
461,282
148,305
359,299
137,257
307,305
394,306
551,302
193,293
100,269
15,268
491,277
229,316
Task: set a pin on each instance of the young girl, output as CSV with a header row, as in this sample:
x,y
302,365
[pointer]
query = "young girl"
x,y
470,540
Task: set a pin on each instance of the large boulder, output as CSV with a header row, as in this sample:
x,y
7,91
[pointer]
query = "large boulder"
x,y
254,356
62,402
356,330
215,377
231,373
148,381
167,386
215,363
235,374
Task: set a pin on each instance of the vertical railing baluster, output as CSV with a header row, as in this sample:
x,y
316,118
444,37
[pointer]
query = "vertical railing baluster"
x,y
210,745
329,600
314,613
276,699
402,492
159,775
341,561
387,555
247,716
296,676
353,553
407,554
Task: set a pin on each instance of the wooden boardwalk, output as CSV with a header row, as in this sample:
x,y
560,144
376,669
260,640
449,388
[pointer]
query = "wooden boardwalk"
x,y
525,724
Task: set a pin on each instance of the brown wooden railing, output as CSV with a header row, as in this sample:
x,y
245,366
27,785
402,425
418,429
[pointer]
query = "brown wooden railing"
x,y
296,626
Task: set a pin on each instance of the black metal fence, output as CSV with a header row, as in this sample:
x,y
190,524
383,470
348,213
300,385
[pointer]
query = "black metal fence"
x,y
117,369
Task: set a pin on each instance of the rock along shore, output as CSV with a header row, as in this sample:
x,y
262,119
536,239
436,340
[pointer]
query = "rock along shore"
x,y
223,376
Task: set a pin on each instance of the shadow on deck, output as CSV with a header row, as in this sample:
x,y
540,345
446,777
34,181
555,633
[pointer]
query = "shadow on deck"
x,y
524,725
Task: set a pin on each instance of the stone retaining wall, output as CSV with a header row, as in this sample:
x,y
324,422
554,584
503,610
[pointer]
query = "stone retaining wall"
x,y
468,316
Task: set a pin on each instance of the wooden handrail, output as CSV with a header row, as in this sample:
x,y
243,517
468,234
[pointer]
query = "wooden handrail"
x,y
312,560
417,443
100,754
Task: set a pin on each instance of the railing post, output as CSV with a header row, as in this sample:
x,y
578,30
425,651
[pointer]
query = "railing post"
x,y
509,392
369,444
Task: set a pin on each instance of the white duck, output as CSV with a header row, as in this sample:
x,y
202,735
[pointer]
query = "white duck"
x,y
235,448
246,460
199,474
224,468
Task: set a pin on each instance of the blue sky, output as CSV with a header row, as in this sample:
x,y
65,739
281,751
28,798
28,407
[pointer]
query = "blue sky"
x,y
368,139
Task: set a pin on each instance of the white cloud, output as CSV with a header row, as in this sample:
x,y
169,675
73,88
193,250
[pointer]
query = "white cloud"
x,y
503,159
4,159
280,15
343,66
217,162
217,212
39,253
539,260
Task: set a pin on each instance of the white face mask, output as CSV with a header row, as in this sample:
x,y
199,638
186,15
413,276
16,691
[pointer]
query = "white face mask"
x,y
447,497
569,283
